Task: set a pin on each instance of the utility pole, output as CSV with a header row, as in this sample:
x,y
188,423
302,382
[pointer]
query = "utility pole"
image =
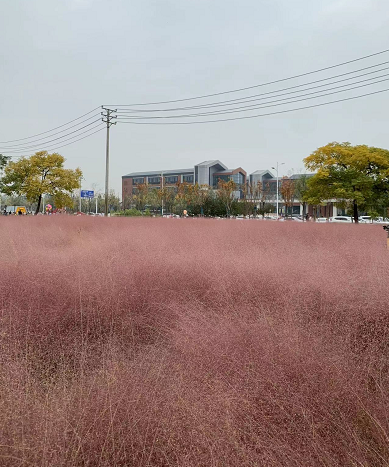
x,y
79,207
107,118
162,193
276,169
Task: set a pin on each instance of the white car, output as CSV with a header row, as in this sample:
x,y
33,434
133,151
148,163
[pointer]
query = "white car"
x,y
321,219
365,220
341,219
380,220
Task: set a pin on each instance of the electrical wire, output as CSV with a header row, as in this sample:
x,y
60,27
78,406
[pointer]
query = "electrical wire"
x,y
257,85
18,150
58,132
255,106
254,116
131,114
5,149
242,100
62,146
48,131
16,146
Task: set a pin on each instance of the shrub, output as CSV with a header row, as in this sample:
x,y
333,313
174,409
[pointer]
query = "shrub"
x,y
129,213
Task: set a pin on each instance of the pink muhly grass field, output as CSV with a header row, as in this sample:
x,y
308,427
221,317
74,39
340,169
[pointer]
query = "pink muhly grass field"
x,y
163,342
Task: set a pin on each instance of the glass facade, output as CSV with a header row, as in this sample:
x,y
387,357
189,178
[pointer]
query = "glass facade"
x,y
217,178
187,178
171,179
238,178
138,180
154,180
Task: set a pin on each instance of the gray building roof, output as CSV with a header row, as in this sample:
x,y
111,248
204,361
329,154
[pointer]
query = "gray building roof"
x,y
262,172
212,163
159,172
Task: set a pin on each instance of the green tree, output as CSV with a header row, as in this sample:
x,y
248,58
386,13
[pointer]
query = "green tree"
x,y
3,162
141,196
200,197
40,174
153,200
264,206
167,198
357,176
114,204
301,191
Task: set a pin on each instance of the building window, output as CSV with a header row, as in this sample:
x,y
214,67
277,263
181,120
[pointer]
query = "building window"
x,y
138,181
187,178
238,178
171,179
219,178
154,180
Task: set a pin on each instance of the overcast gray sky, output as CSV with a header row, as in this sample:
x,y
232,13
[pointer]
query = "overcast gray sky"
x,y
62,58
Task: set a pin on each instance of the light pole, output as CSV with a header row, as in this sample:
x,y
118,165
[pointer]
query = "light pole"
x,y
162,194
276,169
79,207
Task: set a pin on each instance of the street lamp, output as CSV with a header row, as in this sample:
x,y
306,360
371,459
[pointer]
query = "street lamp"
x,y
162,194
276,169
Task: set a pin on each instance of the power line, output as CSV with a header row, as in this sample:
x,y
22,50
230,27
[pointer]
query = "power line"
x,y
254,116
248,98
53,134
48,131
16,146
255,106
18,150
259,85
63,145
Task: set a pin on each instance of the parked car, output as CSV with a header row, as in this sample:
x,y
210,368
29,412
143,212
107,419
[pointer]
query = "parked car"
x,y
321,219
380,220
341,219
295,219
365,220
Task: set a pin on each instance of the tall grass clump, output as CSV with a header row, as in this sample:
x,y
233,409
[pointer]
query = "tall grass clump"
x,y
162,342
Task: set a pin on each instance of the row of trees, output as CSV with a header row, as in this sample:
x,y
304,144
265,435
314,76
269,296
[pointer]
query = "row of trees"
x,y
356,178
227,199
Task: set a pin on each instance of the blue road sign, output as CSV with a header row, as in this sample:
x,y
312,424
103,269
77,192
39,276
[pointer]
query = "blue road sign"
x,y
87,194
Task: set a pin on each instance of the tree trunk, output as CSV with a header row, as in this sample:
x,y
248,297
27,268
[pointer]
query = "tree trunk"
x,y
38,205
355,211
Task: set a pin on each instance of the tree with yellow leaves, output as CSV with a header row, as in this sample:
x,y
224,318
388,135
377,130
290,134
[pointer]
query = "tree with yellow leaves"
x,y
40,174
356,176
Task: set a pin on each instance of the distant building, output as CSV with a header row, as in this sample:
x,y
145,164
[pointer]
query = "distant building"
x,y
205,173
211,172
